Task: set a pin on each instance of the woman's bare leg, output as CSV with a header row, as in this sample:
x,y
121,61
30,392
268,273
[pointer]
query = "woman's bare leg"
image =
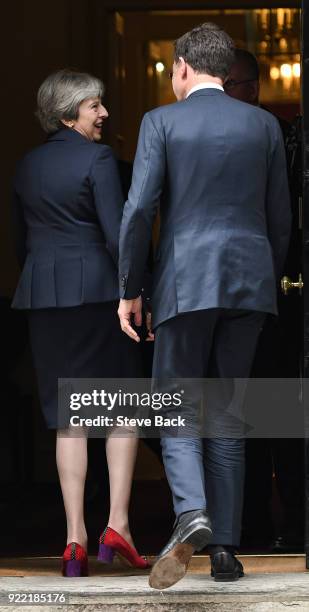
x,y
121,456
71,456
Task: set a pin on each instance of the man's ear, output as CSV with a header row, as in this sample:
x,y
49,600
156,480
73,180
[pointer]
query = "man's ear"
x,y
182,68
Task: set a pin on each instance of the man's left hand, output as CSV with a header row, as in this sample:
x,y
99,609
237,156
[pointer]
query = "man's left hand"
x,y
127,309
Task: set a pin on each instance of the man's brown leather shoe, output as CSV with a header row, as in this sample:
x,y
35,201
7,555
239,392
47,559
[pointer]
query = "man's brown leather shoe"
x,y
192,532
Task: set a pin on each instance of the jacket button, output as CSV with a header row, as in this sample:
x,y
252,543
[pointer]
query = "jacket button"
x,y
123,281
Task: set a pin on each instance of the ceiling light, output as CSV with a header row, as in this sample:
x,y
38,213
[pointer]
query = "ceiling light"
x,y
286,71
160,67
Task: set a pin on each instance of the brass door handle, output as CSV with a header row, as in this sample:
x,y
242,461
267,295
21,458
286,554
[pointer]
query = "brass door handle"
x,y
287,285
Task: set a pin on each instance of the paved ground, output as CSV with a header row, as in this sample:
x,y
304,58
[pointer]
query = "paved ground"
x,y
196,592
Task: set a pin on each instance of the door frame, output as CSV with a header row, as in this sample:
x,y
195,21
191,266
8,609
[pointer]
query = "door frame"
x,y
305,140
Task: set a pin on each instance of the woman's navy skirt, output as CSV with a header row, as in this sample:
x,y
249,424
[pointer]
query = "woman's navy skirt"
x,y
78,342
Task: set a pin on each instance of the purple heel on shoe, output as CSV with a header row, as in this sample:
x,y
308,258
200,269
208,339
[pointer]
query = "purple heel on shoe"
x,y
73,568
105,554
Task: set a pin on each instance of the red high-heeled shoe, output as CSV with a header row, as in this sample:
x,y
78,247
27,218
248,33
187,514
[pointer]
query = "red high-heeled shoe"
x,y
111,543
74,561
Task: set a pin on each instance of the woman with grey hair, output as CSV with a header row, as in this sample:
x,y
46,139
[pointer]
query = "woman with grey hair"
x,y
68,204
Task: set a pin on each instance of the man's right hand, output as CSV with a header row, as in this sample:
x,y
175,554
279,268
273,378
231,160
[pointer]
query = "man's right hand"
x,y
127,309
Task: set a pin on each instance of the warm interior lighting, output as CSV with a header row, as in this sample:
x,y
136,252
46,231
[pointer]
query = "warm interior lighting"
x,y
272,35
160,67
289,17
296,69
263,46
274,73
283,44
280,17
286,71
264,18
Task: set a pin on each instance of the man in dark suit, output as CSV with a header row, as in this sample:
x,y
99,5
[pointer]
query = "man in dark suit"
x,y
225,223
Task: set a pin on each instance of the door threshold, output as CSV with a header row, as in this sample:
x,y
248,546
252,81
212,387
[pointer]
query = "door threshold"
x,y
199,564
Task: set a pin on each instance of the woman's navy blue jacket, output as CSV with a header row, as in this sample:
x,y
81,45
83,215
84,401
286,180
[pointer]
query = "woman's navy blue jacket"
x,y
68,205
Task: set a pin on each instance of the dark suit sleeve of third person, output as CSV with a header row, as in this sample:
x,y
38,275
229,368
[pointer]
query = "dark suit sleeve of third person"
x,y
278,206
141,207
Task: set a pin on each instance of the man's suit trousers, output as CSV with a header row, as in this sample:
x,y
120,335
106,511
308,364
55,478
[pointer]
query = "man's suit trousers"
x,y
215,343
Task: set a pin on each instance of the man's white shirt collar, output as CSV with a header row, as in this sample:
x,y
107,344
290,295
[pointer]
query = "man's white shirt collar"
x,y
204,86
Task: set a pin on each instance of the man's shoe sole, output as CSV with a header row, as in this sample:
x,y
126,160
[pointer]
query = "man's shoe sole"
x,y
198,537
172,567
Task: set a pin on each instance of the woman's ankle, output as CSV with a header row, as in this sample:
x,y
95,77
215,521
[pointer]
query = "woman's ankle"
x,y
121,527
80,537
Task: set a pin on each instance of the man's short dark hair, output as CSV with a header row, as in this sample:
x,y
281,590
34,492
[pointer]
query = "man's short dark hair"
x,y
249,61
207,49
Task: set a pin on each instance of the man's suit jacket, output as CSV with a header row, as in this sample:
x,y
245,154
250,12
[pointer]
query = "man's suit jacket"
x,y
217,166
68,204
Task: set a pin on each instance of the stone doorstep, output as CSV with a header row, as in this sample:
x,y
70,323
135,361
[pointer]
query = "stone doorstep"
x,y
255,592
166,607
272,583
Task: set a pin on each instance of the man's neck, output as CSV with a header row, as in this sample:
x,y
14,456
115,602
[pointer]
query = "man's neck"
x,y
202,79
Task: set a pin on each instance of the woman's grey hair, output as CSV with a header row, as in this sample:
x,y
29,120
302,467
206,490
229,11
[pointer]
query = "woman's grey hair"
x,y
61,94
